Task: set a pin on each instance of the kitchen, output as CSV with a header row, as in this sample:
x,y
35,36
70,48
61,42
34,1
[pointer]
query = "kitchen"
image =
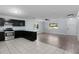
x,y
39,29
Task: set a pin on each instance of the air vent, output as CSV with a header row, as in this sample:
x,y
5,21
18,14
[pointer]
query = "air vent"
x,y
46,19
70,15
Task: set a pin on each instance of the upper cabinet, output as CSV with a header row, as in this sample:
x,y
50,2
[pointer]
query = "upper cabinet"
x,y
13,21
2,20
17,22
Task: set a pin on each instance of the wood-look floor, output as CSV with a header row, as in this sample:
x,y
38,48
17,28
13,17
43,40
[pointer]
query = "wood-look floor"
x,y
66,42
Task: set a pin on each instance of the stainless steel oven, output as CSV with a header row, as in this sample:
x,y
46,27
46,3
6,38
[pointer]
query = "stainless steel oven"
x,y
9,34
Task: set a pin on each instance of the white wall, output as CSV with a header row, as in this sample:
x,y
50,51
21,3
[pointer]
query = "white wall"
x,y
72,24
61,26
77,26
29,25
66,26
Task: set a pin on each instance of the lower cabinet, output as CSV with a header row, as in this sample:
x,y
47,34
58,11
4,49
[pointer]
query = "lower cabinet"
x,y
32,36
2,37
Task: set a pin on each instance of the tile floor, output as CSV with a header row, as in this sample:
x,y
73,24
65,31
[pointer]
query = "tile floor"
x,y
45,44
23,46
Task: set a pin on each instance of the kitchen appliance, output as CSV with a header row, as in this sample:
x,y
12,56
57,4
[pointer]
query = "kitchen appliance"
x,y
9,34
8,31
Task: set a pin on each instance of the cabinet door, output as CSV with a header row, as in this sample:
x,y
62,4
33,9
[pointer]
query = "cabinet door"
x,y
17,22
2,22
2,38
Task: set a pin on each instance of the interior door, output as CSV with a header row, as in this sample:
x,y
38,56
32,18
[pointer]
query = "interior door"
x,y
72,26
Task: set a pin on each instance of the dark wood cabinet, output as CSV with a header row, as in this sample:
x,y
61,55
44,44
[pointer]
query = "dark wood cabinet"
x,y
32,36
2,21
14,22
2,37
17,22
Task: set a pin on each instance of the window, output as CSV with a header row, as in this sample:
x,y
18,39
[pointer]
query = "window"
x,y
53,25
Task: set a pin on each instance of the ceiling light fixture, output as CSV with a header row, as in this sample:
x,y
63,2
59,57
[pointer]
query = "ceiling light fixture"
x,y
15,11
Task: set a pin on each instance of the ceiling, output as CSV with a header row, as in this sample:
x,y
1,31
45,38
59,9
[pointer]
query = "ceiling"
x,y
38,11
